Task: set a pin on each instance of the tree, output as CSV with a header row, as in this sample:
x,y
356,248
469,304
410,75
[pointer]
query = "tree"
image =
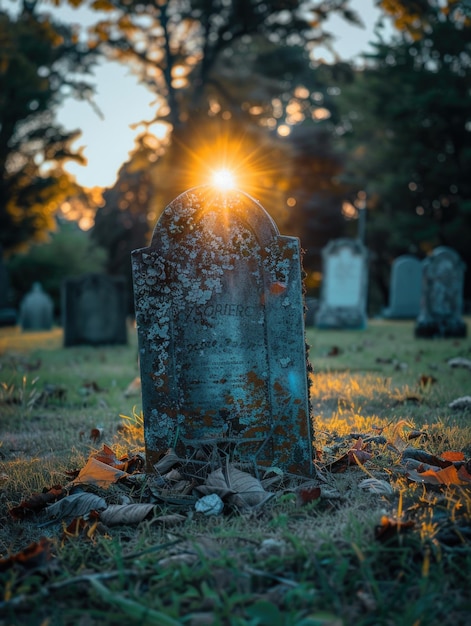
x,y
227,75
40,61
123,223
69,252
406,118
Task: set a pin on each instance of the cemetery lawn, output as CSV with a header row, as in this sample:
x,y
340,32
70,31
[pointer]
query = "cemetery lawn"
x,y
381,534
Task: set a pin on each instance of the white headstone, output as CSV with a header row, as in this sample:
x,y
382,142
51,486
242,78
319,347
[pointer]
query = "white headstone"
x,y
344,285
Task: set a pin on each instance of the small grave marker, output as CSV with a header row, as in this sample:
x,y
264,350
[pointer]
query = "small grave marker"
x,y
344,285
94,310
36,310
405,288
222,351
442,295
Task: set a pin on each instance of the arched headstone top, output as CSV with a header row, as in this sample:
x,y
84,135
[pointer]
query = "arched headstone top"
x,y
206,206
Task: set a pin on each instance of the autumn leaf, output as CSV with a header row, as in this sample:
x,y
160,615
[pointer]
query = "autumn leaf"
x,y
358,454
390,527
426,380
446,476
126,513
82,528
452,456
97,473
76,505
242,489
34,556
37,502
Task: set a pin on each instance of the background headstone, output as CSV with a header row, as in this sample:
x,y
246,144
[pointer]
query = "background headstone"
x,y
344,285
219,311
94,310
36,310
441,304
405,288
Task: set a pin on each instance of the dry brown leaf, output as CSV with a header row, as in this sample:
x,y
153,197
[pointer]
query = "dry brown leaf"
x,y
97,473
75,505
167,462
248,490
126,513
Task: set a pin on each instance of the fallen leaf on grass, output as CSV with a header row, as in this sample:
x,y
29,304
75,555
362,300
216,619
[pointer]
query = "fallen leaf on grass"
x,y
34,556
446,476
452,456
376,485
108,456
37,502
390,527
243,490
424,457
126,513
357,455
99,474
96,434
82,528
427,380
76,505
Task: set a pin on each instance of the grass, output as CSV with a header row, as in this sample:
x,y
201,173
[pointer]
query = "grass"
x,y
348,557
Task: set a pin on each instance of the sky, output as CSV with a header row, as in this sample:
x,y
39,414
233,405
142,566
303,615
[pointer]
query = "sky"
x,y
108,139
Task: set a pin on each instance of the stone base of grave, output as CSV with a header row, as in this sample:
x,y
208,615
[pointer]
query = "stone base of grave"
x,y
445,328
340,317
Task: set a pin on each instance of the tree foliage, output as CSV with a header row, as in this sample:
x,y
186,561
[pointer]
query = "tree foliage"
x,y
40,61
68,253
227,75
408,129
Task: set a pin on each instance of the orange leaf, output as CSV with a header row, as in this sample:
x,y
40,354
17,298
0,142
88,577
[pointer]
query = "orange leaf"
x,y
100,474
452,456
445,476
33,556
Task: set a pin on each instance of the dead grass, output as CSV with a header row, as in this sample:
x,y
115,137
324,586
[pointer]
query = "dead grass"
x,y
282,564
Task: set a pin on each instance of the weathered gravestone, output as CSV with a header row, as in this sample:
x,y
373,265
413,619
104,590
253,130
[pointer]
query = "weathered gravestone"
x,y
442,295
94,310
222,352
344,285
405,288
36,310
